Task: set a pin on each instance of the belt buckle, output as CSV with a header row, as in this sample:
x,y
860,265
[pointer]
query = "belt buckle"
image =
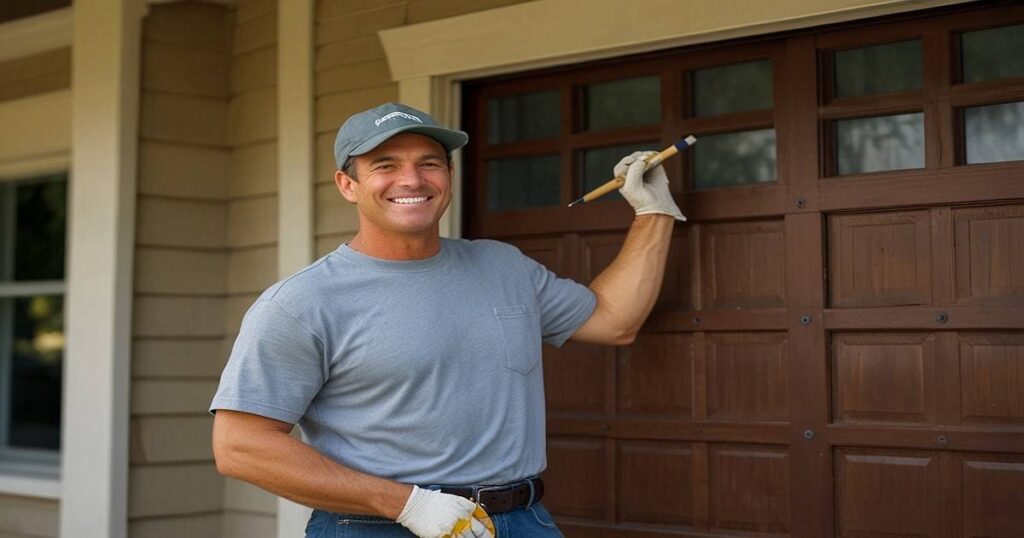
x,y
477,490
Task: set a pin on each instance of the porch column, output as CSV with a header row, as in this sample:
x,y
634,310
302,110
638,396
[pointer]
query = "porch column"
x,y
105,103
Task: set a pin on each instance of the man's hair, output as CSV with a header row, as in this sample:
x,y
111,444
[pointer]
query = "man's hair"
x,y
350,166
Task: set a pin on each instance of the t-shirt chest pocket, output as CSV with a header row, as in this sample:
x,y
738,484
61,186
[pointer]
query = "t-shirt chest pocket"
x,y
520,333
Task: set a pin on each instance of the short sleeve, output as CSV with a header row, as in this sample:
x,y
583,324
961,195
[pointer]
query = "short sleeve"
x,y
276,366
564,304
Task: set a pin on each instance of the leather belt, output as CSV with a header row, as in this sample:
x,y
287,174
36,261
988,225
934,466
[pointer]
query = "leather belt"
x,y
501,499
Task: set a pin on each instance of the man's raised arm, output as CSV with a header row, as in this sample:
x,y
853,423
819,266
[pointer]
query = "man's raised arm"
x,y
628,288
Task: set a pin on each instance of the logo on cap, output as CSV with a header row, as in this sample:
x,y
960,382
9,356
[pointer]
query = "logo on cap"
x,y
396,115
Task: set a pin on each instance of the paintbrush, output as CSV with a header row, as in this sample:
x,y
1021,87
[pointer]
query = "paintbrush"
x,y
615,183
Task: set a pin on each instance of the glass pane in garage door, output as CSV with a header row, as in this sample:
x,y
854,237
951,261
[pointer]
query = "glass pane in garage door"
x,y
622,103
732,88
993,53
523,182
880,143
732,159
994,133
524,116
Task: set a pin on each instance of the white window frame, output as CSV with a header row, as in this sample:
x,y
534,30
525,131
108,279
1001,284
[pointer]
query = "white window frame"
x,y
36,461
34,141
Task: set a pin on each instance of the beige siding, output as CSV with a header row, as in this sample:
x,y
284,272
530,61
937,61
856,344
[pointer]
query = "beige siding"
x,y
251,525
174,170
25,517
181,270
193,526
251,232
175,490
171,439
40,73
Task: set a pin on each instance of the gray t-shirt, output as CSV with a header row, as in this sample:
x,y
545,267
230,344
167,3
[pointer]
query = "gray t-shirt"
x,y
426,372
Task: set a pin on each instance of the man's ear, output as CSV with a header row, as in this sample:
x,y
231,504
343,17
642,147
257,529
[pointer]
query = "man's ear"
x,y
345,186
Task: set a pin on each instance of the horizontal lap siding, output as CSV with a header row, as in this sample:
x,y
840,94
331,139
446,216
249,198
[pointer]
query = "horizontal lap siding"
x,y
251,232
181,270
39,73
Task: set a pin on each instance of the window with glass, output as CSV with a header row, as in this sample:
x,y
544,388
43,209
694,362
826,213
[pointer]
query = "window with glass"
x,y
32,245
861,82
746,154
992,132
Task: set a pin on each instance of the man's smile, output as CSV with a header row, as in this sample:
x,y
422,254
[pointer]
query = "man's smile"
x,y
409,200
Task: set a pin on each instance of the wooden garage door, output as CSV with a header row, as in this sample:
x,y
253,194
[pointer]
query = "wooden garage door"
x,y
838,349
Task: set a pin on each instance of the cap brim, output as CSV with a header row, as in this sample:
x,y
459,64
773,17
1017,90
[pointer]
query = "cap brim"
x,y
450,139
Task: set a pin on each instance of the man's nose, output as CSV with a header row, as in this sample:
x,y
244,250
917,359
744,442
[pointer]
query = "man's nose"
x,y
410,175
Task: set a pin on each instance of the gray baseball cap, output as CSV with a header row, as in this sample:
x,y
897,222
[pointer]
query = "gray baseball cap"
x,y
366,130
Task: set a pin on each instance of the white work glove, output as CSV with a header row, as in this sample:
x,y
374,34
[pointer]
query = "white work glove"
x,y
432,514
648,194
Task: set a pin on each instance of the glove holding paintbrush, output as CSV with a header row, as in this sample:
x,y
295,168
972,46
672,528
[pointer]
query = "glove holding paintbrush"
x,y
646,189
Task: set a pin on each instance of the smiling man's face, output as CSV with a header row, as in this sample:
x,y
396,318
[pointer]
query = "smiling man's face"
x,y
401,188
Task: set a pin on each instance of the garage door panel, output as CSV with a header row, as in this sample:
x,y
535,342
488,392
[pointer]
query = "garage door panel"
x,y
655,377
992,496
743,265
880,259
748,489
655,483
575,378
887,493
746,376
884,377
992,378
578,477
597,253
989,245
551,252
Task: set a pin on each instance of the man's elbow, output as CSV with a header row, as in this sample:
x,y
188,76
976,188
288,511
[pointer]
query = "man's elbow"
x,y
226,454
625,337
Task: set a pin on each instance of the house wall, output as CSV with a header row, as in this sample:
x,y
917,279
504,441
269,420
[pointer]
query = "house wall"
x,y
352,75
252,214
181,277
39,73
23,517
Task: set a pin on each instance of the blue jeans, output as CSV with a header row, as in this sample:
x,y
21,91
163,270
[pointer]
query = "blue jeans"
x,y
532,522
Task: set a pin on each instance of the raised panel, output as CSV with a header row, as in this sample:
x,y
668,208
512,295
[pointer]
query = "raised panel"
x,y
989,253
993,503
879,259
679,286
746,376
886,494
656,483
597,253
888,377
577,477
992,378
655,376
574,378
748,489
743,265
551,252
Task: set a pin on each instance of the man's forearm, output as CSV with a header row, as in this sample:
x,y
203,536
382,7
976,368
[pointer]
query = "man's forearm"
x,y
270,458
628,288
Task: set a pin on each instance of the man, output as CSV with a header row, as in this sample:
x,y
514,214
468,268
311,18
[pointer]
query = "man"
x,y
410,361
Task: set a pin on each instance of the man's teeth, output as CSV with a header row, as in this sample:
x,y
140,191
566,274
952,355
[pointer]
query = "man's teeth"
x,y
415,200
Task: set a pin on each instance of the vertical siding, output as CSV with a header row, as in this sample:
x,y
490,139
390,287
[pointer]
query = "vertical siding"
x,y
251,234
39,73
352,75
181,270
